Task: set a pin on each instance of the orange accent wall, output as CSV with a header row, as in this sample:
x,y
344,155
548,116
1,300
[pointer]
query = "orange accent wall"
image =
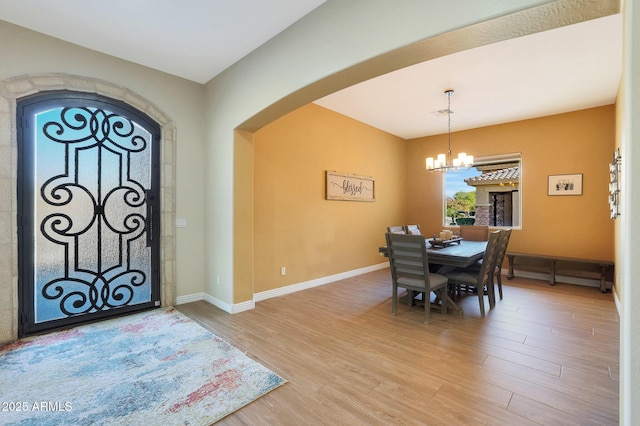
x,y
243,217
576,142
294,226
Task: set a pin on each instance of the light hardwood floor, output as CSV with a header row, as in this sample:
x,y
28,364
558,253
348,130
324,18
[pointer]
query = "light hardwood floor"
x,y
544,355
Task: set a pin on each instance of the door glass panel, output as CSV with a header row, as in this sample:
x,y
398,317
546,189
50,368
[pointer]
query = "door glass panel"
x,y
92,176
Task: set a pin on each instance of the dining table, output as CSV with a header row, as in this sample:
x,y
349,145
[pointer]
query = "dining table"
x,y
461,254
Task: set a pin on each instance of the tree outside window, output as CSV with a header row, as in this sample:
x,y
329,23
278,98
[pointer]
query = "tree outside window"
x,y
461,197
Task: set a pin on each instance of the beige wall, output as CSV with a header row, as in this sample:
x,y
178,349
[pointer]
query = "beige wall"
x,y
295,226
26,52
577,142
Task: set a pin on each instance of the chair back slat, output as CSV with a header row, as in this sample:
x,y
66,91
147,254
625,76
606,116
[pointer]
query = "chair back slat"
x,y
413,230
505,235
503,242
488,263
408,257
474,232
396,229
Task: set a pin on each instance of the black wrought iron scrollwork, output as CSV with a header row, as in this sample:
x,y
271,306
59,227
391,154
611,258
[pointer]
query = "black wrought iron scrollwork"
x,y
97,126
94,295
110,284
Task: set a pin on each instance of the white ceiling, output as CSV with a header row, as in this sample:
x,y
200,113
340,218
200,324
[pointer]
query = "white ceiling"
x,y
566,69
552,72
202,37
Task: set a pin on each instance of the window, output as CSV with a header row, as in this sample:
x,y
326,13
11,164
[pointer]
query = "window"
x,y
486,194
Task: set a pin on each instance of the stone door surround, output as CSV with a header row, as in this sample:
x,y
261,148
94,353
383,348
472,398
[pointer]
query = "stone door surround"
x,y
18,87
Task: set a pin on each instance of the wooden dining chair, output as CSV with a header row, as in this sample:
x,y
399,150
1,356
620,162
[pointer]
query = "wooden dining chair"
x,y
410,270
480,281
474,232
412,230
503,242
396,229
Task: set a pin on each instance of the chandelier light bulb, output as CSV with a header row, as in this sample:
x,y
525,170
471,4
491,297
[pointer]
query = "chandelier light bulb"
x,y
445,162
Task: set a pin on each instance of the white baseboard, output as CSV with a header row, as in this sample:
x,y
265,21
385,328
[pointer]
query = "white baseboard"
x,y
250,304
218,303
264,295
215,302
180,300
244,306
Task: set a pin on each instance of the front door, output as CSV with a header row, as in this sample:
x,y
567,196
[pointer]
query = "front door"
x,y
501,208
88,208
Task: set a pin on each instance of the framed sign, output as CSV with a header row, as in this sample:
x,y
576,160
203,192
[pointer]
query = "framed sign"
x,y
565,184
348,187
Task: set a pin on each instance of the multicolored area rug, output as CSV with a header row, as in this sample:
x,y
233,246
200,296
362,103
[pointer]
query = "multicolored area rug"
x,y
153,368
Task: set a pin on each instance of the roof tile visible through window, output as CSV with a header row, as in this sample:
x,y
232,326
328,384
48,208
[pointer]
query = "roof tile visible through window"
x,y
498,175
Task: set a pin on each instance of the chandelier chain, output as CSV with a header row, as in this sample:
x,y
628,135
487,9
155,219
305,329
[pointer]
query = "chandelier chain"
x,y
446,162
449,94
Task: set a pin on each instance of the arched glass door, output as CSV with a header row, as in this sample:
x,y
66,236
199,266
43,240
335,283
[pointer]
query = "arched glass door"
x,y
88,181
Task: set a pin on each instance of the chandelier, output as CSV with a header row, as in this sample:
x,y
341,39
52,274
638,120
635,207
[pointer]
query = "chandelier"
x,y
445,162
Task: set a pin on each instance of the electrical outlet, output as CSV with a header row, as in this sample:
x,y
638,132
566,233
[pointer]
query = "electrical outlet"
x,y
283,271
218,280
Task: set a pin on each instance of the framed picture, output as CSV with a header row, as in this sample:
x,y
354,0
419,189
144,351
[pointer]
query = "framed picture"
x,y
349,187
565,184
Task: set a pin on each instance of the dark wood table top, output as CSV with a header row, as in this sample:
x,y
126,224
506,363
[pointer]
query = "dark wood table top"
x,y
460,255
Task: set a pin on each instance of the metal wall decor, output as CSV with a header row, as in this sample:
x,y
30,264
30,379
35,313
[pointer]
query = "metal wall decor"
x,y
614,184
